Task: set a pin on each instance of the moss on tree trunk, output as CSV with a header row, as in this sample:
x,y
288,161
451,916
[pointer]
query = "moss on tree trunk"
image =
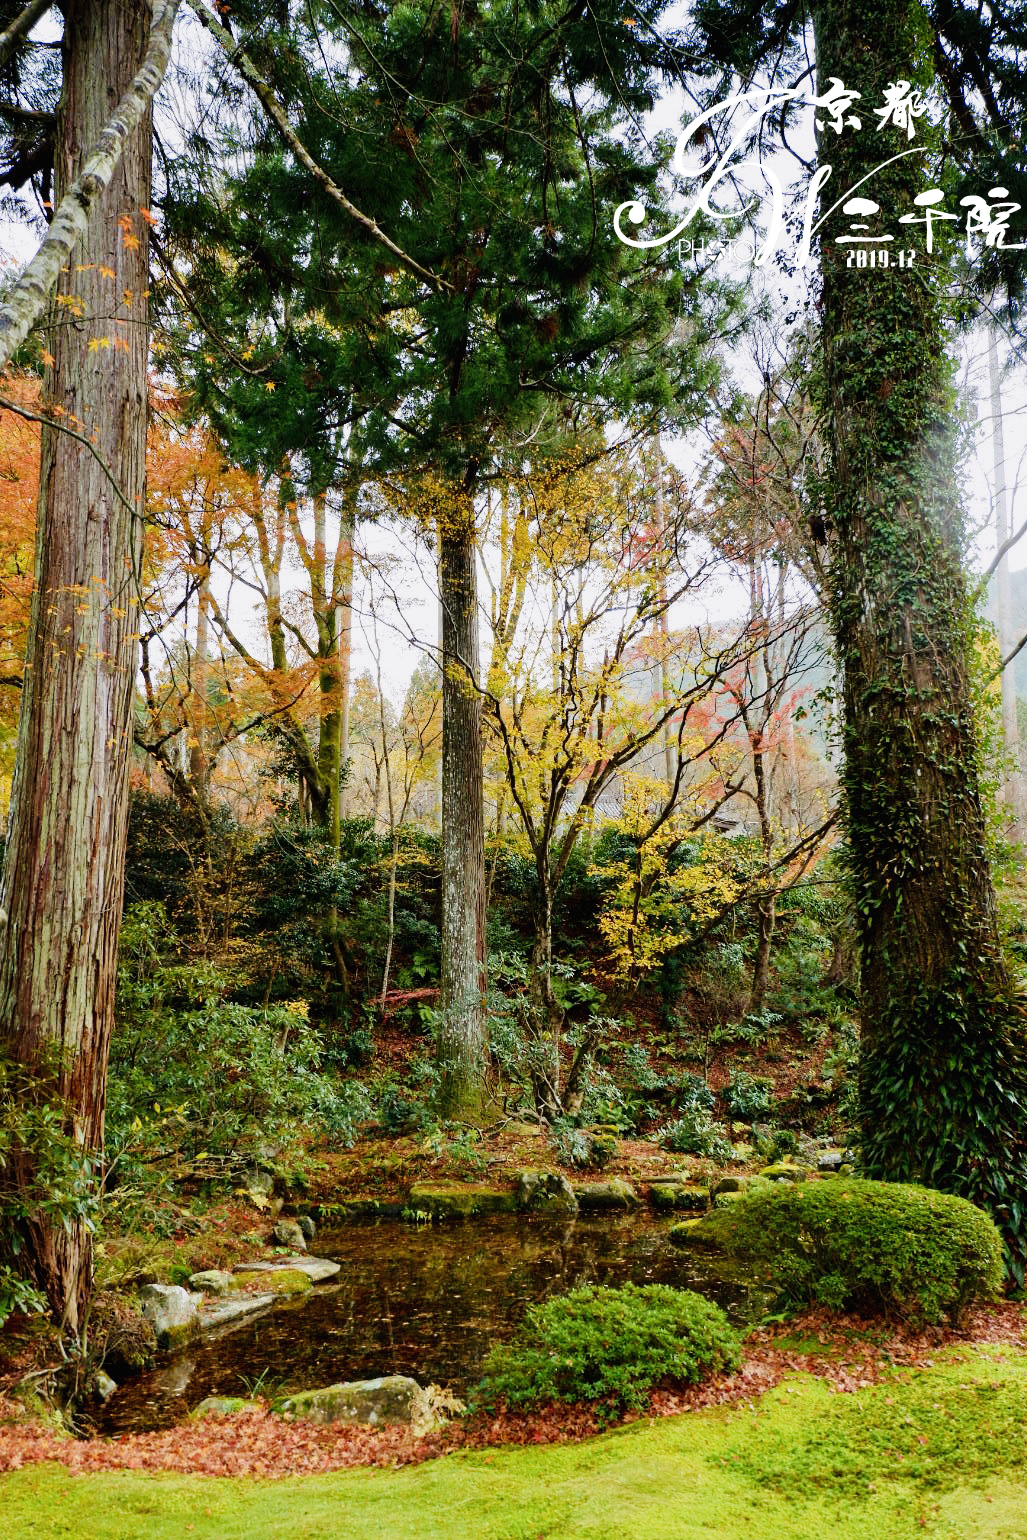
x,y
943,1079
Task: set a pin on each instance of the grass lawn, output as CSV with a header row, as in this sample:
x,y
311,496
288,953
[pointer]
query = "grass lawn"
x,y
940,1451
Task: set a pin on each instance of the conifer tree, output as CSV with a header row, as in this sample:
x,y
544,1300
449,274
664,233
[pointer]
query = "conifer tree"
x,y
481,142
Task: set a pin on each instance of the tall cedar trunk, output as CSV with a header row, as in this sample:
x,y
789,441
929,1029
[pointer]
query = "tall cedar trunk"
x,y
64,870
943,1079
461,1040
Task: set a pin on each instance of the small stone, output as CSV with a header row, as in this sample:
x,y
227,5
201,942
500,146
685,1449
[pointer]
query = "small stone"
x,y
679,1195
288,1233
307,1225
103,1386
784,1171
211,1281
729,1184
255,1180
830,1160
223,1406
725,1199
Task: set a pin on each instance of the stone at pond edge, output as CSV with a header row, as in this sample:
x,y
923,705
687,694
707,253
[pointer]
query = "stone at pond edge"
x,y
784,1171
673,1178
729,1184
316,1268
457,1200
679,1195
307,1225
211,1281
172,1311
278,1280
546,1192
725,1199
103,1386
393,1398
615,1193
223,1406
288,1233
222,1312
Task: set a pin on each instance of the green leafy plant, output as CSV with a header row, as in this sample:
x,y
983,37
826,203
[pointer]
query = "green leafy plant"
x,y
611,1346
879,1246
61,1183
696,1133
748,1096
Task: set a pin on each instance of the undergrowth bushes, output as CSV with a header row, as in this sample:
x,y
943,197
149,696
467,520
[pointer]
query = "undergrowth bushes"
x,y
611,1346
878,1246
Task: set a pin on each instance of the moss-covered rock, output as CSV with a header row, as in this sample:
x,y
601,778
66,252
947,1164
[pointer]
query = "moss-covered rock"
x,y
784,1171
689,1232
729,1184
223,1406
213,1280
679,1195
615,1193
726,1199
283,1281
458,1200
173,1313
546,1192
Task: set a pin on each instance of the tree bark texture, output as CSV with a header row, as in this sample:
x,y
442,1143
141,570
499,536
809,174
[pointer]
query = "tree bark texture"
x,y
943,1079
64,870
461,1039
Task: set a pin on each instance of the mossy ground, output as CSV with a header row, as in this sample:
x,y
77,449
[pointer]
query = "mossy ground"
x,y
936,1452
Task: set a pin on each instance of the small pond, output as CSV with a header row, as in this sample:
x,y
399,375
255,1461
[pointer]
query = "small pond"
x,y
428,1302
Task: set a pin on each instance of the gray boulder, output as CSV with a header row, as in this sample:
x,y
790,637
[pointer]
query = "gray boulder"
x,y
307,1225
288,1233
103,1386
393,1398
172,1311
614,1193
211,1281
546,1192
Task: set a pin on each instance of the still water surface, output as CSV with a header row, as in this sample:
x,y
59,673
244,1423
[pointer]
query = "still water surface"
x,y
429,1302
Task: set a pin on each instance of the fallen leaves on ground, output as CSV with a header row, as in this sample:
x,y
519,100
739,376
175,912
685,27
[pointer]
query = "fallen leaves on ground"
x,y
261,1443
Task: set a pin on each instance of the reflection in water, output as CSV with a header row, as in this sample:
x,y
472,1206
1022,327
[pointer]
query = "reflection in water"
x,y
428,1302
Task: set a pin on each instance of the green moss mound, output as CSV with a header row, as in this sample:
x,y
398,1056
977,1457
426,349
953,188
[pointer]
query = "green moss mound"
x,y
849,1244
610,1345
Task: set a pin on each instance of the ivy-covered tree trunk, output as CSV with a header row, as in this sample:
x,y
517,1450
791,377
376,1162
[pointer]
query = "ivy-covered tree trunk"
x,y
64,870
943,1079
461,1036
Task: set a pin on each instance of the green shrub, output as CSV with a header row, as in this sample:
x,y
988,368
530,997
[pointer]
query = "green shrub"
x,y
748,1096
61,1187
879,1246
610,1345
696,1134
